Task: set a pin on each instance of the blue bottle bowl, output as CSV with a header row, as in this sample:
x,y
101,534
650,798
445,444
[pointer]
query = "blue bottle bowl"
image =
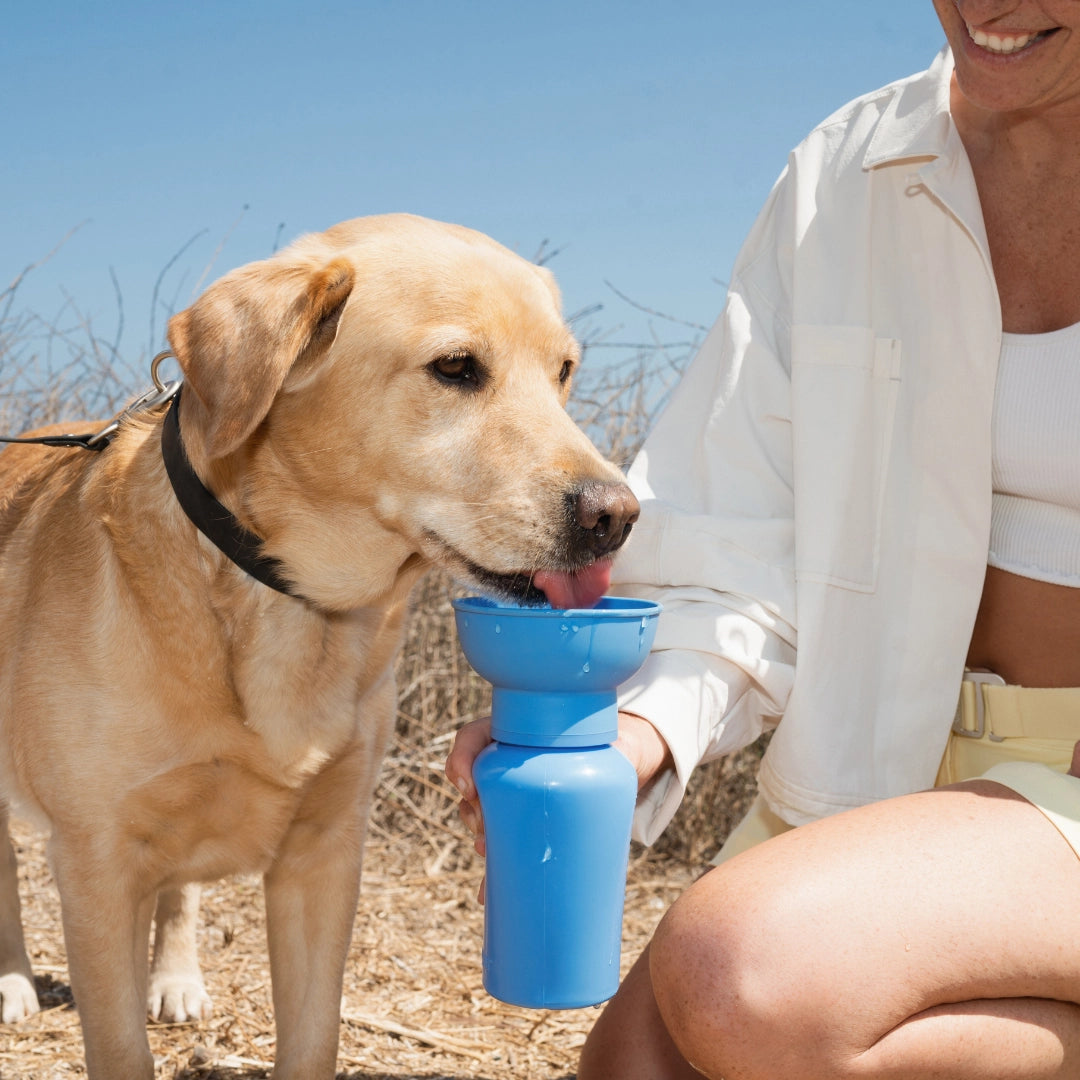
x,y
555,671
556,650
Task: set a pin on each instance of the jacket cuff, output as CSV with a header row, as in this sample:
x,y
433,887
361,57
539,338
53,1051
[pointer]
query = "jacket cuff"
x,y
682,694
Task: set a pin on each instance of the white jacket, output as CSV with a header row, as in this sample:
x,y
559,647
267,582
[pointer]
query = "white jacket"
x,y
821,477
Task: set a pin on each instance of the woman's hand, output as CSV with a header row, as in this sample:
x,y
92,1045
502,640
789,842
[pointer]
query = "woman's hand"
x,y
644,746
470,739
638,740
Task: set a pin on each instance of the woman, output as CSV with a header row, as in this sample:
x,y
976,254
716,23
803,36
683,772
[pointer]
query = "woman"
x,y
878,439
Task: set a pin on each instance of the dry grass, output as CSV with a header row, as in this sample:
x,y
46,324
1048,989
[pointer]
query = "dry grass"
x,y
59,366
413,1004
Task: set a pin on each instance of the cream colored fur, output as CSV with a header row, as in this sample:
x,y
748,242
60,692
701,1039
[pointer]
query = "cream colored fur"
x,y
169,719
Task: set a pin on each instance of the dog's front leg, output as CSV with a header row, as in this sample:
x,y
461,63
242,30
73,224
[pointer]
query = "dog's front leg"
x,y
106,921
17,996
177,992
311,895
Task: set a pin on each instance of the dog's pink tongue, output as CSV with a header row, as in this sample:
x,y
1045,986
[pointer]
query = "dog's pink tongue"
x,y
581,589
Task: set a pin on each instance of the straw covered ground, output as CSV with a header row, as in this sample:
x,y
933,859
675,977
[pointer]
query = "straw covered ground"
x,y
413,1005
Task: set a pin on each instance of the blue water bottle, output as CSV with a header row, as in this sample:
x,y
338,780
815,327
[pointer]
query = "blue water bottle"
x,y
557,797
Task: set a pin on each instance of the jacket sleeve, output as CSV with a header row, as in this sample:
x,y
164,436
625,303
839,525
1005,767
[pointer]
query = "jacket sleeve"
x,y
715,541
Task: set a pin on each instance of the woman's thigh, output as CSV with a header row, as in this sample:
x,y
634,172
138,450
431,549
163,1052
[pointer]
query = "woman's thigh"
x,y
811,954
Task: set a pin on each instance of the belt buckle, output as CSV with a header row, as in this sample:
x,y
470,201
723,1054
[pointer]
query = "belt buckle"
x,y
979,678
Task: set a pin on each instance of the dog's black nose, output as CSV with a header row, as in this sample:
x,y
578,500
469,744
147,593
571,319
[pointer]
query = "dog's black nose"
x,y
604,511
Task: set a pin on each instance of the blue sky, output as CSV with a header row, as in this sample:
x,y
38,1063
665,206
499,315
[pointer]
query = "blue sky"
x,y
640,139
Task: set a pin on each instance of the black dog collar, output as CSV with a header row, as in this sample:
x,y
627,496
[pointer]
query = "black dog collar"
x,y
212,519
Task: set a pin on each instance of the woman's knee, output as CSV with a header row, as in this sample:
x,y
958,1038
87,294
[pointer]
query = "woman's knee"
x,y
739,976
630,1041
711,995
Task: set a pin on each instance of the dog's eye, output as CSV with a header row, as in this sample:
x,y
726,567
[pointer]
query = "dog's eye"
x,y
457,369
565,372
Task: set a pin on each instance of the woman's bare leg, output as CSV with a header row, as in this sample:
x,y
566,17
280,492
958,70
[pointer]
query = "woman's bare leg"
x,y
932,936
630,1041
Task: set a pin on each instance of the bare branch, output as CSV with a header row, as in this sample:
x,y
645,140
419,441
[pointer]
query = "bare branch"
x,y
157,285
8,295
544,255
218,250
653,311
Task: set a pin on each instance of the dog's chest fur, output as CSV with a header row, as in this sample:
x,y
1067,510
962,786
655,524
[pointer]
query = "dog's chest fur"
x,y
301,680
306,692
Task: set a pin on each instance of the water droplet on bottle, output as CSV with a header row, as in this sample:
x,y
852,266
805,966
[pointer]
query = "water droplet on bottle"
x,y
498,629
574,628
564,628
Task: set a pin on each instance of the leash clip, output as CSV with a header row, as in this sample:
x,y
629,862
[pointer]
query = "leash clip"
x,y
162,392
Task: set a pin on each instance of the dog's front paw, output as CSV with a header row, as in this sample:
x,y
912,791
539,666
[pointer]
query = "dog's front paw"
x,y
18,999
174,999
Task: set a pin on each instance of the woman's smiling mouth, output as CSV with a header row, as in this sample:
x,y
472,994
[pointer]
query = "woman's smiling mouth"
x,y
1004,44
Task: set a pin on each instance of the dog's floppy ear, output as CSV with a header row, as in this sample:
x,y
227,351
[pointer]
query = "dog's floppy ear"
x,y
238,341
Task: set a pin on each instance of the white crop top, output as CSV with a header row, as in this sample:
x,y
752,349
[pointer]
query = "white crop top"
x,y
1035,525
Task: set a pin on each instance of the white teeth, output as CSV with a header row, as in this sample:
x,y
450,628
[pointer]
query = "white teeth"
x,y
997,43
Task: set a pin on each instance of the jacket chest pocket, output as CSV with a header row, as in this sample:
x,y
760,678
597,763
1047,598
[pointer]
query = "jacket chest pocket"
x,y
844,385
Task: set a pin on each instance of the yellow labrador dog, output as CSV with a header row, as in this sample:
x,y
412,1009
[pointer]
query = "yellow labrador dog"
x,y
197,624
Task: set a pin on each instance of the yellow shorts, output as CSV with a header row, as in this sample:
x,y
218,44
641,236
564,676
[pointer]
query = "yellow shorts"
x,y
1017,736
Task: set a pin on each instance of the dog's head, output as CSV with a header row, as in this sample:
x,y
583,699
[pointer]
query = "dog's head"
x,y
391,393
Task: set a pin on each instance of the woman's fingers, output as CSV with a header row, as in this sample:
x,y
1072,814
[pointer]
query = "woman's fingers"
x,y
474,822
468,742
470,739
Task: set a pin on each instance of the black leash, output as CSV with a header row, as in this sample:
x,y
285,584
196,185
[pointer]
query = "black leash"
x,y
89,441
213,520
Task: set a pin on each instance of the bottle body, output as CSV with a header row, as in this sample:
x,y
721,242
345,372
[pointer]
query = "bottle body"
x,y
557,823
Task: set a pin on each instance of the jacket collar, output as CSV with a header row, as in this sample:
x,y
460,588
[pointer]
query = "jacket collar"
x,y
916,121
916,128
